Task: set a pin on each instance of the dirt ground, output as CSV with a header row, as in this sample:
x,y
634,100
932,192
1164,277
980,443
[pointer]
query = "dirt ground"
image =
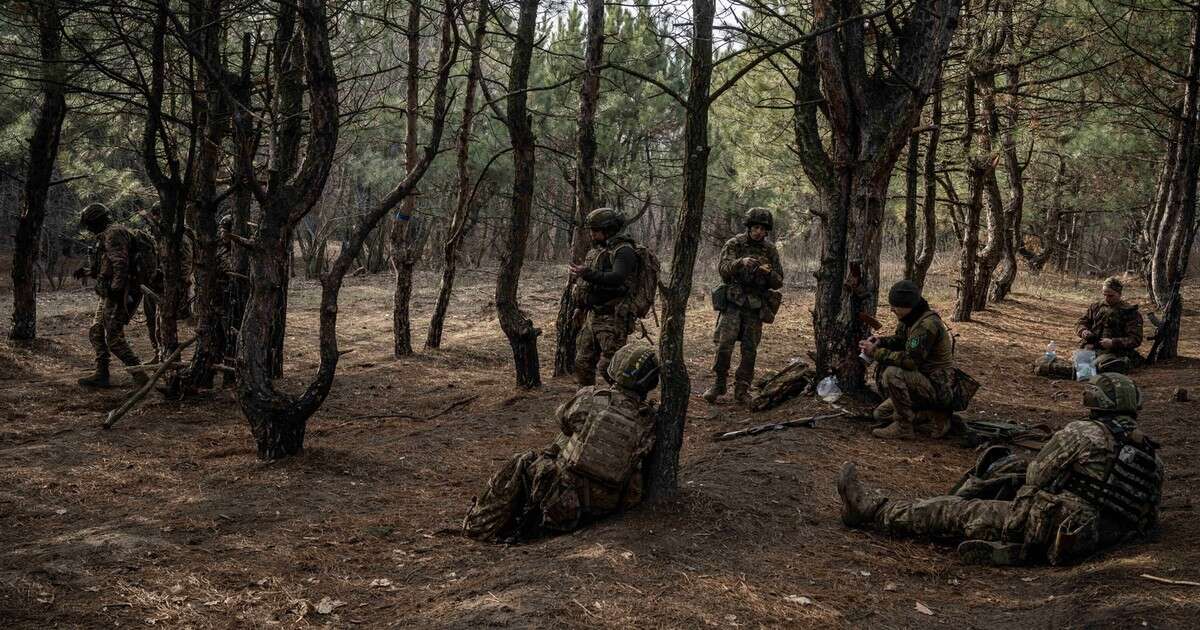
x,y
168,519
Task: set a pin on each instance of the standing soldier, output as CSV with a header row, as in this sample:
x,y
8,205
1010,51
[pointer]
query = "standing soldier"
x,y
120,271
1113,328
751,273
917,362
604,294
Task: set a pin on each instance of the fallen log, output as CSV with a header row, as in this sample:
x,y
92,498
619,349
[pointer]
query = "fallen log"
x,y
137,396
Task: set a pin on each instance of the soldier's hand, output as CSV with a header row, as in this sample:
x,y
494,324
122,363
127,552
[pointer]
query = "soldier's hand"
x,y
1085,333
867,346
1106,343
576,270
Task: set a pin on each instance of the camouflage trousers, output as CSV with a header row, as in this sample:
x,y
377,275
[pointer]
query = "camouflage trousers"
x,y
1106,361
532,495
734,326
906,391
1057,528
599,339
107,332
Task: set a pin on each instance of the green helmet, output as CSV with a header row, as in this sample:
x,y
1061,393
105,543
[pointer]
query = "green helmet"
x,y
95,215
606,219
759,216
635,366
1112,393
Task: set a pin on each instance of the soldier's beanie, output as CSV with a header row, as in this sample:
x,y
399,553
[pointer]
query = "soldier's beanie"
x,y
904,294
1114,283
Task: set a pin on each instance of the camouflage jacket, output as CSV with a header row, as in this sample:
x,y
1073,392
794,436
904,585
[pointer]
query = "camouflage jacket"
x,y
596,404
114,251
746,286
924,346
1122,323
612,268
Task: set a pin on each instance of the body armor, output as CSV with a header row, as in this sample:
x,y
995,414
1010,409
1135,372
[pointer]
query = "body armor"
x,y
1130,491
612,442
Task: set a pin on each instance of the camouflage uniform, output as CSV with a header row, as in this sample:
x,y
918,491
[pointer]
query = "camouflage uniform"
x,y
1058,515
605,290
118,294
592,469
918,367
1122,323
746,287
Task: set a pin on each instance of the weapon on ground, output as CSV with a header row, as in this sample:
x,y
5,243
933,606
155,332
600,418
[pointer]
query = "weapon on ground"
x,y
808,423
137,396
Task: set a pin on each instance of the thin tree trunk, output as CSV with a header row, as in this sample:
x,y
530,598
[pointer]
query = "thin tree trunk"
x,y
585,183
520,330
43,150
403,255
460,224
910,205
929,208
663,465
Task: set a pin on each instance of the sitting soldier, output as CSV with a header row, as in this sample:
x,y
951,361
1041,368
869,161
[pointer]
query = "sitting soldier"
x,y
1095,483
592,469
918,366
1112,327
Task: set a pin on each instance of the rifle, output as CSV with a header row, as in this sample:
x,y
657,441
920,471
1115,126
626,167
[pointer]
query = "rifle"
x,y
808,423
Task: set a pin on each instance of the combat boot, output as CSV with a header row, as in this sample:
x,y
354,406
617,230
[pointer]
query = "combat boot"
x,y
716,390
741,393
897,430
858,508
937,422
991,553
99,379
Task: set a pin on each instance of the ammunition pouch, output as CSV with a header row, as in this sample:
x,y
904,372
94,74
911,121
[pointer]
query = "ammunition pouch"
x,y
608,447
962,390
720,301
772,301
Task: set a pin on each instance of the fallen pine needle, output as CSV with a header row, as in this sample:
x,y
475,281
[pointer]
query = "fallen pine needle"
x,y
1167,581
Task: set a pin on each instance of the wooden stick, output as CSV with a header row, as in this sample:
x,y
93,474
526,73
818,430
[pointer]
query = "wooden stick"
x,y
150,367
809,422
1167,581
137,396
147,291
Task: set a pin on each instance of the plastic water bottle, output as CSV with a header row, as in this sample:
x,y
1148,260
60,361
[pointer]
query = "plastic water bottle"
x,y
828,389
1051,352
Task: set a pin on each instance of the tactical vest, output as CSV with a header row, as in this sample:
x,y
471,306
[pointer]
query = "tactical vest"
x,y
1131,488
610,445
601,259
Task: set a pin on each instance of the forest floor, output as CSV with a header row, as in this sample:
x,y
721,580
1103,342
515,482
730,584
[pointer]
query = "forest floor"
x,y
168,519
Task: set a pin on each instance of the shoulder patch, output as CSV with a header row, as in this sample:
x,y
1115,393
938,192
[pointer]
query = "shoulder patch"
x,y
913,343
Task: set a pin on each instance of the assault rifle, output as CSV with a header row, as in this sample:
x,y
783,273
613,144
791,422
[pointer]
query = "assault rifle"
x,y
808,423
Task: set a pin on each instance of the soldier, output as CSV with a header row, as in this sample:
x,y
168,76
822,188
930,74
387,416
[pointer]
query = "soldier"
x,y
592,469
1113,328
751,272
604,294
1095,483
918,365
118,268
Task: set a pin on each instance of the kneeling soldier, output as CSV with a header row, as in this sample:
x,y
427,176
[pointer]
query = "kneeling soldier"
x,y
593,468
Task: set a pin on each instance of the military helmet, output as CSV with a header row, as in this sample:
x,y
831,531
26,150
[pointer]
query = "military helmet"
x,y
635,366
605,219
1112,393
226,221
95,214
759,216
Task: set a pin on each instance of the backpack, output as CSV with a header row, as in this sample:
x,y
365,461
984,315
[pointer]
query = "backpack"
x,y
143,255
645,288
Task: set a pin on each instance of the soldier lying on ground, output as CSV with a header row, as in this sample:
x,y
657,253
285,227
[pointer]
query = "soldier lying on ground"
x,y
1097,482
592,469
1112,327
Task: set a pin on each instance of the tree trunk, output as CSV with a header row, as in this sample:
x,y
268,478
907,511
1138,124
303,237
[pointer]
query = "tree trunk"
x,y
522,334
212,121
910,206
1177,231
870,121
663,465
459,224
992,252
403,255
43,150
585,183
929,208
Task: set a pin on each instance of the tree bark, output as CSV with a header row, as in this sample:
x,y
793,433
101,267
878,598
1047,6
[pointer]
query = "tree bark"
x,y
910,206
663,464
460,222
585,183
929,207
522,334
870,121
43,150
404,258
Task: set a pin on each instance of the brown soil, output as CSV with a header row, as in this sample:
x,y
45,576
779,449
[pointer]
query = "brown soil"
x,y
168,518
